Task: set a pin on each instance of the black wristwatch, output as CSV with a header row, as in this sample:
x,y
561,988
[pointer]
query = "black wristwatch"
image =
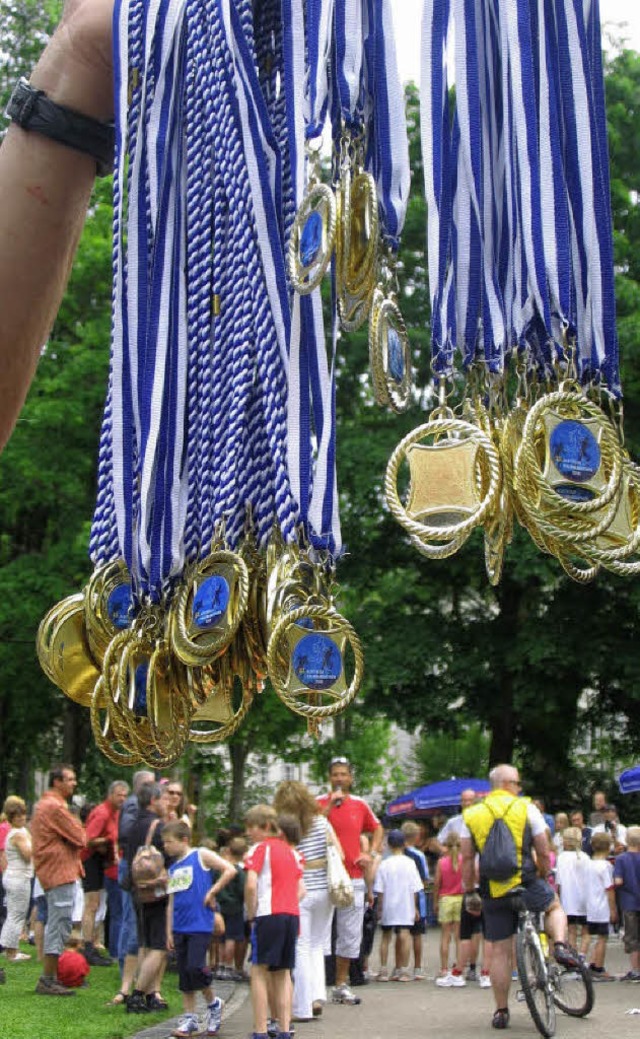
x,y
33,110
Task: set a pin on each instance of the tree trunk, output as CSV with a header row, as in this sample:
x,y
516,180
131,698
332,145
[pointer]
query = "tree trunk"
x,y
76,735
238,754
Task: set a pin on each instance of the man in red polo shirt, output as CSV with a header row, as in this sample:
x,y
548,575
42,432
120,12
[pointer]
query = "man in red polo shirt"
x,y
101,871
350,817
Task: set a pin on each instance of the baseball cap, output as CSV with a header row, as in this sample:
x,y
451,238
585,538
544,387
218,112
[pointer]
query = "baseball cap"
x,y
395,838
72,969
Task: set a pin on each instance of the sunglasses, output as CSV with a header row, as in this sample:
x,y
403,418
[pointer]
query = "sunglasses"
x,y
178,793
339,761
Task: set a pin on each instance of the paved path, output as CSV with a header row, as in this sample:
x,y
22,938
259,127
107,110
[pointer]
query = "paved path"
x,y
407,1011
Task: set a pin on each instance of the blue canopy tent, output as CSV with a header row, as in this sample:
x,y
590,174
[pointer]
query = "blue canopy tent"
x,y
629,780
434,797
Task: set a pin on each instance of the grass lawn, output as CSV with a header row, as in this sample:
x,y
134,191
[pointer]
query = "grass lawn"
x,y
24,1015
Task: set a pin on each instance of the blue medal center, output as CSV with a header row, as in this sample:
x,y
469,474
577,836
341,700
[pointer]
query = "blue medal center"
x,y
119,606
575,451
311,238
395,355
140,686
573,492
317,661
210,601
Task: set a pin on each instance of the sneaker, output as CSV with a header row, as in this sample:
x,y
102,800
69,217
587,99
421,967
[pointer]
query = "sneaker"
x,y
484,980
187,1027
565,955
601,975
137,1004
456,978
214,1016
472,974
418,974
50,987
156,1002
444,980
95,959
631,975
273,1028
500,1019
343,994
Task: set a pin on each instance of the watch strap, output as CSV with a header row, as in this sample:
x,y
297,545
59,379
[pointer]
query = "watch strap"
x,y
31,109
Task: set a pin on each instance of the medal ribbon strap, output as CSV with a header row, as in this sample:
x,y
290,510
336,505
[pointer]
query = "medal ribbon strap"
x,y
436,151
389,147
349,55
587,174
311,418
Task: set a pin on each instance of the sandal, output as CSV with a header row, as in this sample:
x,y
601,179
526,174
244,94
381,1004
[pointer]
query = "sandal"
x,y
402,975
500,1018
119,1000
383,974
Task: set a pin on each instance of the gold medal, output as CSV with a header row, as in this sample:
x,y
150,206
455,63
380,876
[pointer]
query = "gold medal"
x,y
209,607
389,353
313,234
64,651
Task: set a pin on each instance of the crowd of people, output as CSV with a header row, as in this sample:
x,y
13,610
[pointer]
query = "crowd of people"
x,y
124,881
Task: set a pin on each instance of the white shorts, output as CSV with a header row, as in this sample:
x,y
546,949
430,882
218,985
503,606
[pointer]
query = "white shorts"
x,y
349,924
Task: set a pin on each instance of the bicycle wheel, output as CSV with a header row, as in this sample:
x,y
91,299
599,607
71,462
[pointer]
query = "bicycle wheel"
x,y
572,989
535,982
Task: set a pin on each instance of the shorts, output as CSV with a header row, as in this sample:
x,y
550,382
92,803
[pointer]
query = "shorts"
x,y
470,924
59,919
93,879
191,956
598,928
500,916
273,941
420,926
572,919
152,925
450,909
349,924
233,927
41,908
631,930
396,928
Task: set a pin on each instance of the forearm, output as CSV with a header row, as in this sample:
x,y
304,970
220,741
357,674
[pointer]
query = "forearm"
x,y
45,187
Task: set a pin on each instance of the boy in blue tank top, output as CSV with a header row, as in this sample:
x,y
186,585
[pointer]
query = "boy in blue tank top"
x,y
190,917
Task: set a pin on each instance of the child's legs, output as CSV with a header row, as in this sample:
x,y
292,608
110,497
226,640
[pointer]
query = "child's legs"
x,y
445,940
455,931
384,948
417,951
193,974
229,952
599,951
403,948
259,997
282,988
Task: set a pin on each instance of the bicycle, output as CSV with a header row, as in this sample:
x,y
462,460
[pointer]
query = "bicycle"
x,y
545,983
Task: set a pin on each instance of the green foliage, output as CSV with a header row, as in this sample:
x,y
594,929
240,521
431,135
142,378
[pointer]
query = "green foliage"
x,y
438,756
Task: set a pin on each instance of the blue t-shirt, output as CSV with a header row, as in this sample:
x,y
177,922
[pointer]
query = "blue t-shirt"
x,y
627,866
189,883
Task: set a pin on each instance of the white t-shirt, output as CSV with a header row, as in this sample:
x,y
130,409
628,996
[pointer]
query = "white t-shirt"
x,y
599,880
452,825
398,881
571,878
621,832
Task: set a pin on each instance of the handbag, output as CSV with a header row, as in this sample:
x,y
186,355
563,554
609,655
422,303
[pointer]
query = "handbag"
x,y
339,882
148,874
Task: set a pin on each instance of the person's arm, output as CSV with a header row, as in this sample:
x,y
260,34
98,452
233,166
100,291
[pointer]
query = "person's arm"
x,y
468,864
22,842
170,945
543,859
45,189
332,838
251,894
66,825
436,886
210,860
613,909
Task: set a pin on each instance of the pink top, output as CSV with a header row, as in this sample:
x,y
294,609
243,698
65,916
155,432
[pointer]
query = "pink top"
x,y
450,879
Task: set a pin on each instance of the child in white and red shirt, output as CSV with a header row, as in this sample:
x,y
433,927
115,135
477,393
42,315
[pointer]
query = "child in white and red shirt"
x,y
601,904
273,890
